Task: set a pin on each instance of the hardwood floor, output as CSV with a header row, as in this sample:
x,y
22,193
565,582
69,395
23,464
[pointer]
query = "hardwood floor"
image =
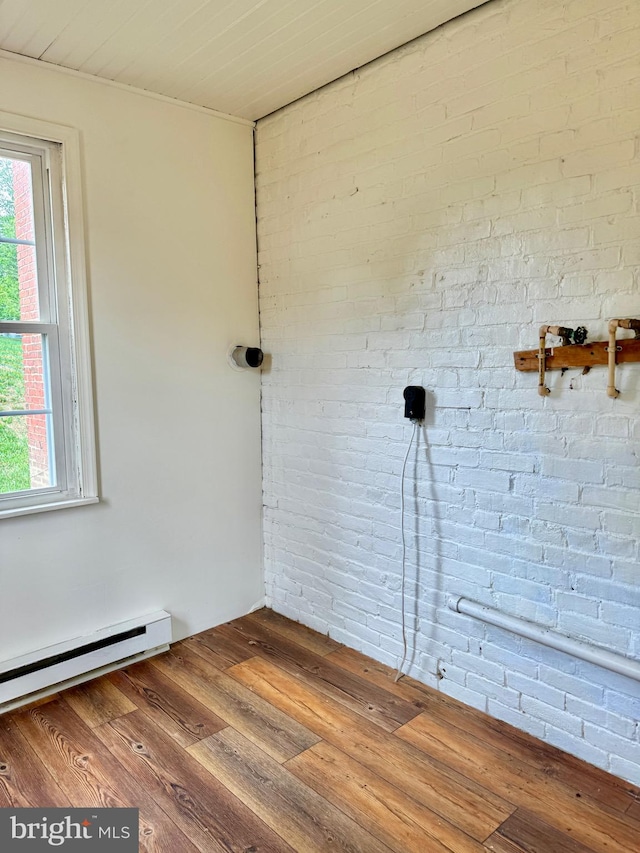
x,y
262,735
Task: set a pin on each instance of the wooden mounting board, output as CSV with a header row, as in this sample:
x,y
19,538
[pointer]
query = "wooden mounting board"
x,y
578,355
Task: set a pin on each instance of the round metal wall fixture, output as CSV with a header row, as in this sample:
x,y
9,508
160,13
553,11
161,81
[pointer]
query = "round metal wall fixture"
x,y
244,358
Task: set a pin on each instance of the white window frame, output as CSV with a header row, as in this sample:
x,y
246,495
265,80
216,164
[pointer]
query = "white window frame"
x,y
54,151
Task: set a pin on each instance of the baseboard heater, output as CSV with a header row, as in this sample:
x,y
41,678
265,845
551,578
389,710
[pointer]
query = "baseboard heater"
x,y
38,674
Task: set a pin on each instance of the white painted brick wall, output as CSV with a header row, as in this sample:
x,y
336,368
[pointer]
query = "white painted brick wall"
x,y
418,220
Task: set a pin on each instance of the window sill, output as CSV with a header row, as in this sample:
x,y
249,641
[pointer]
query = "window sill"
x,y
46,507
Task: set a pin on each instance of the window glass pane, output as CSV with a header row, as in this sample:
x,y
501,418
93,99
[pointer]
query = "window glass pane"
x,y
25,457
18,283
18,271
25,440
23,372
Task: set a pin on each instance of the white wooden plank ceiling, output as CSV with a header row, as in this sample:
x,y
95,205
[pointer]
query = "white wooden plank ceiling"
x,y
243,57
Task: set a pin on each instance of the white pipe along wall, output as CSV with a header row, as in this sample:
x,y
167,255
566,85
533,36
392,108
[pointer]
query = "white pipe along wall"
x,y
584,651
418,221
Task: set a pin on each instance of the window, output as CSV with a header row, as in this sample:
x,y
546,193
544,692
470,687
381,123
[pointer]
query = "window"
x,y
47,454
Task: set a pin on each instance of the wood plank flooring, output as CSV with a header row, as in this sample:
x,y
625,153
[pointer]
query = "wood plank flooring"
x,y
262,736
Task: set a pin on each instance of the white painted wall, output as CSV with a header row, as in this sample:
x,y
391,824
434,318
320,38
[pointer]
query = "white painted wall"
x,y
171,254
418,220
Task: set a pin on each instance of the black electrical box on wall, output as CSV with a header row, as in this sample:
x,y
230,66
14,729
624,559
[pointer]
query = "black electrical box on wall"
x,y
414,402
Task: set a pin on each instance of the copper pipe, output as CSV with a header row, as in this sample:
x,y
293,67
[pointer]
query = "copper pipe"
x,y
542,355
562,332
614,325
